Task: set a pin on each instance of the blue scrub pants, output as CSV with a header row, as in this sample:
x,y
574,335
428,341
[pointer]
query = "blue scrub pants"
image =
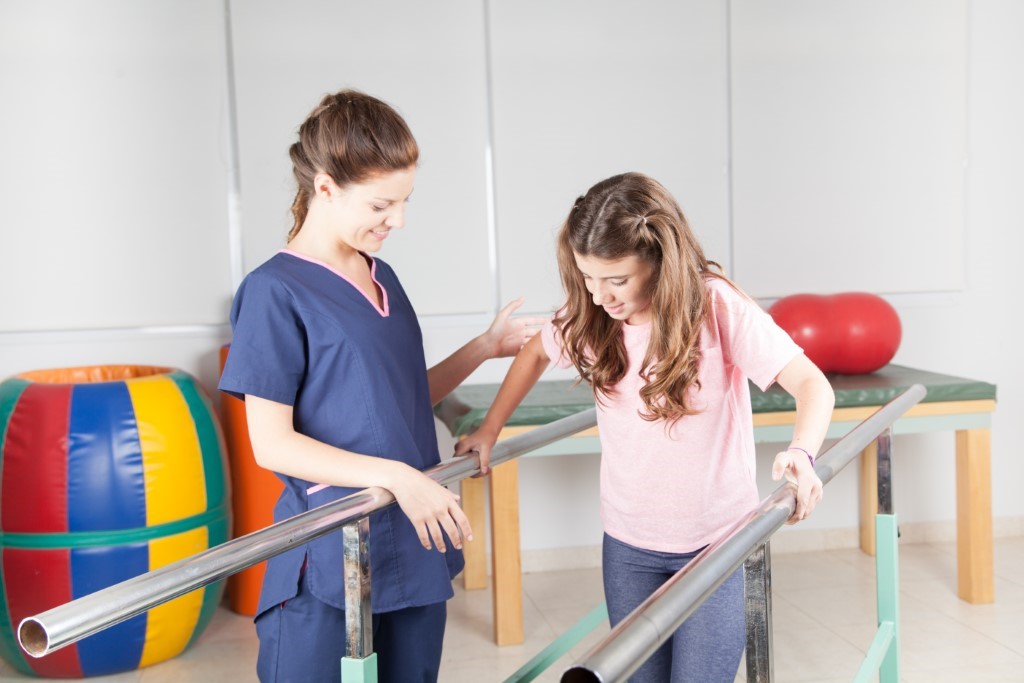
x,y
303,641
708,646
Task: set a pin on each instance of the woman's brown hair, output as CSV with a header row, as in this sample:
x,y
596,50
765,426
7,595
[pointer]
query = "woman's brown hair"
x,y
634,215
351,137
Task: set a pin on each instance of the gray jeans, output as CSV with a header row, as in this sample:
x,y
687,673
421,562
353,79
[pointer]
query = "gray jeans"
x,y
708,646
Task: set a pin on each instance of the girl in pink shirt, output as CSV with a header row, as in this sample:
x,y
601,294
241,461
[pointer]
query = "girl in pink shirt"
x,y
668,344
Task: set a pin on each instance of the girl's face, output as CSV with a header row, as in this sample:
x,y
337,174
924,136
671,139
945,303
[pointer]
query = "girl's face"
x,y
619,286
364,213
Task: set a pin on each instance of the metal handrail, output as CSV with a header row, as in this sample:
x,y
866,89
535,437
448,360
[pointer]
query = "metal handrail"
x,y
53,629
638,636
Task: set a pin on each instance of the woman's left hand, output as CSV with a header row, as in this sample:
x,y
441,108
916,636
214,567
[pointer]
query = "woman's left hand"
x,y
797,468
507,335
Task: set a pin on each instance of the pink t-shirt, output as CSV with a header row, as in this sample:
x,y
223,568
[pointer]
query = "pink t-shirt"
x,y
677,490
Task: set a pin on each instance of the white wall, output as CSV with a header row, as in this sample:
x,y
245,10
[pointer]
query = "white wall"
x,y
149,195
112,167
849,141
970,332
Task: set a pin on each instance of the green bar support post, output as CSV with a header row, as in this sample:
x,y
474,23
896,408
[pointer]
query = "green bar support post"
x,y
887,577
878,650
559,646
359,670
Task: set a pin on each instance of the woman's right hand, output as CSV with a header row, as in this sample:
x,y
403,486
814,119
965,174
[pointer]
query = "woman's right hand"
x,y
431,508
481,441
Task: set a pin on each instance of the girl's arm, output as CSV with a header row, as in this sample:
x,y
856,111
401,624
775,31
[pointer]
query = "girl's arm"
x,y
529,365
504,337
278,447
814,402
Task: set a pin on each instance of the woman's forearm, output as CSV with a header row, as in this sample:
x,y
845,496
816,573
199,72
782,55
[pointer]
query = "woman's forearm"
x,y
279,448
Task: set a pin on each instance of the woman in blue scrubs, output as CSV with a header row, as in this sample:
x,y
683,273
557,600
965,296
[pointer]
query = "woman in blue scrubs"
x,y
328,355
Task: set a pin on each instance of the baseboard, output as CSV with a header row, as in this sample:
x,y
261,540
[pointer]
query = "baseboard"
x,y
792,541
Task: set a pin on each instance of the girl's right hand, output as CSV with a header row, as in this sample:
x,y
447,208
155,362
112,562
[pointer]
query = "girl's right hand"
x,y
481,441
431,508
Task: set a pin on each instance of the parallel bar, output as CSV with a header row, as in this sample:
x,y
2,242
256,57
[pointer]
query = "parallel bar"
x,y
883,457
847,448
43,633
358,620
637,637
757,598
48,631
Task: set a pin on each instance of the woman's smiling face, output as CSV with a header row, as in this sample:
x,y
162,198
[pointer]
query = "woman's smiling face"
x,y
364,213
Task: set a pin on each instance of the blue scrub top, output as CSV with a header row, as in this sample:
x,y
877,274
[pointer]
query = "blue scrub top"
x,y
357,379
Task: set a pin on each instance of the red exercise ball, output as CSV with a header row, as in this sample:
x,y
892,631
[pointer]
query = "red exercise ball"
x,y
851,333
868,333
808,320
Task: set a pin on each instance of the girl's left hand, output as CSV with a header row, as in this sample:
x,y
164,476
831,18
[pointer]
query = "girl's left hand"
x,y
797,469
507,335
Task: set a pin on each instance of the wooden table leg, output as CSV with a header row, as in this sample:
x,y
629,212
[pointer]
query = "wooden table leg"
x,y
974,515
472,493
506,567
868,497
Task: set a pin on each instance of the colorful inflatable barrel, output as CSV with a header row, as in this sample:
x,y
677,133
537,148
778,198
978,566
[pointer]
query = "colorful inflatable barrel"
x,y
106,473
255,490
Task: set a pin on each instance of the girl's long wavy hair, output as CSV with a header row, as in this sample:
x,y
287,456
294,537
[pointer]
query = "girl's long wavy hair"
x,y
351,137
634,215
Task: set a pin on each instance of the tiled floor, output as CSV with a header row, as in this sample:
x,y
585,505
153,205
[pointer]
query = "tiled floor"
x,y
824,605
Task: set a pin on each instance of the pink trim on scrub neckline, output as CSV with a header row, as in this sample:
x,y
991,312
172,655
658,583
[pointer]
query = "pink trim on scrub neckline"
x,y
373,276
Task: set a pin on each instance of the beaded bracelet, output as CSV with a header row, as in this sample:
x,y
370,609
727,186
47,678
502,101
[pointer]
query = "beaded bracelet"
x,y
804,451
